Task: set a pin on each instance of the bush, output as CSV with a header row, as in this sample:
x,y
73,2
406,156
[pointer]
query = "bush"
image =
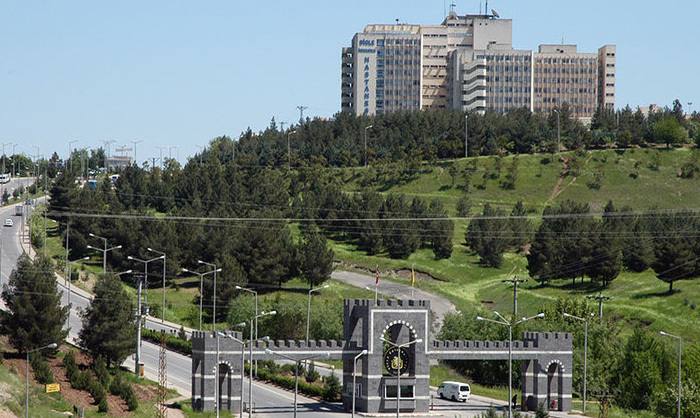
x,y
172,342
311,374
102,406
42,371
103,376
331,388
123,389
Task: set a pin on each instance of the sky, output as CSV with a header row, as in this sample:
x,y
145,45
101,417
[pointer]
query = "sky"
x,y
179,73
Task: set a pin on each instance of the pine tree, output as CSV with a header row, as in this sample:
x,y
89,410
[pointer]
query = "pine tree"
x,y
520,226
487,235
675,256
108,323
315,257
35,317
638,252
606,260
441,231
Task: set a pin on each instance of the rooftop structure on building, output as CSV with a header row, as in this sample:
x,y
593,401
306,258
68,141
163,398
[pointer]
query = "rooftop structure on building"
x,y
468,62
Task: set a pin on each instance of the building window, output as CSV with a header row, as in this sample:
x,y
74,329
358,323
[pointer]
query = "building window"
x,y
406,392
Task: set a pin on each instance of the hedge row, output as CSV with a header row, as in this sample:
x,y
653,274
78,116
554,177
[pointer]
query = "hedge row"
x,y
173,342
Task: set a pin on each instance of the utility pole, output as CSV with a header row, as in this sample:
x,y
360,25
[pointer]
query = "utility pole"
x,y
600,299
301,114
163,377
515,281
466,135
160,150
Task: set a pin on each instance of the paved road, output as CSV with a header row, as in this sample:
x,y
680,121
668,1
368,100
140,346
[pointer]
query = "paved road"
x,y
438,304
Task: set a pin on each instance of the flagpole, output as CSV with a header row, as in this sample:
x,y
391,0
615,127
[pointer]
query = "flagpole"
x,y
376,287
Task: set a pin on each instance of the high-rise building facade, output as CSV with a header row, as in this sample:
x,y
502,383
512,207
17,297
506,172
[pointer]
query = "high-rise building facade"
x,y
468,62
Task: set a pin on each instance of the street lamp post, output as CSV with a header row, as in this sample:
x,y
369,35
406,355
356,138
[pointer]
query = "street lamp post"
x,y
366,129
680,364
466,135
354,376
162,310
26,400
201,290
399,364
297,364
308,310
255,294
250,382
104,250
585,356
214,270
136,142
510,324
558,129
289,149
242,343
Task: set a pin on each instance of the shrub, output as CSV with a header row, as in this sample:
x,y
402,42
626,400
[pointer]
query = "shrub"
x,y
311,374
102,406
331,388
123,389
103,376
42,371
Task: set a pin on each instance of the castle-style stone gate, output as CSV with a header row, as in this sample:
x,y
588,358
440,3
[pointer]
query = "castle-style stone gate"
x,y
546,360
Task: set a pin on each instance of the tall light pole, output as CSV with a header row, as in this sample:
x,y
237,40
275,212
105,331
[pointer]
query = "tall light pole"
x,y
69,279
214,270
354,376
466,135
3,156
255,295
297,364
201,290
399,365
104,250
365,132
13,160
680,364
289,149
308,310
26,400
510,324
70,151
134,143
162,311
250,343
558,129
585,356
139,313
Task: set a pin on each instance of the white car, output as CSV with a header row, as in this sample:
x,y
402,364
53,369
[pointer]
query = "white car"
x,y
454,390
8,222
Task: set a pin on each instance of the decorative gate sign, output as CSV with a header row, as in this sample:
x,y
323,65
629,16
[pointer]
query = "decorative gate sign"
x,y
396,360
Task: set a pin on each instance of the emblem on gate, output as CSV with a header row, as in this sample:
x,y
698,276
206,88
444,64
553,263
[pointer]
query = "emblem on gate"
x,y
396,361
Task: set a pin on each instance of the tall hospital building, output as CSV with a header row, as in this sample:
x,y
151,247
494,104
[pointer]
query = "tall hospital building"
x,y
468,63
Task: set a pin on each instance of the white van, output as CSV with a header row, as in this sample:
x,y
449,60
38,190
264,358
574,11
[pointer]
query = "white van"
x,y
454,390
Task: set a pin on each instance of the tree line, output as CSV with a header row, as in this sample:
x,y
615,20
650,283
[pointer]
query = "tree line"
x,y
571,243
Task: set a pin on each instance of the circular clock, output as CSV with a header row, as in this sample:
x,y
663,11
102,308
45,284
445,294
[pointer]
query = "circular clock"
x,y
396,361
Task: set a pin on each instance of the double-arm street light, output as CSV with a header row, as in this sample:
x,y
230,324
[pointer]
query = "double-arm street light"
x,y
510,324
214,271
354,379
585,355
250,382
201,290
680,364
255,294
26,400
297,365
104,250
399,365
162,310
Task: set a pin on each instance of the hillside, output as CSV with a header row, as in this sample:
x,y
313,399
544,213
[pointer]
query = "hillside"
x,y
640,179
